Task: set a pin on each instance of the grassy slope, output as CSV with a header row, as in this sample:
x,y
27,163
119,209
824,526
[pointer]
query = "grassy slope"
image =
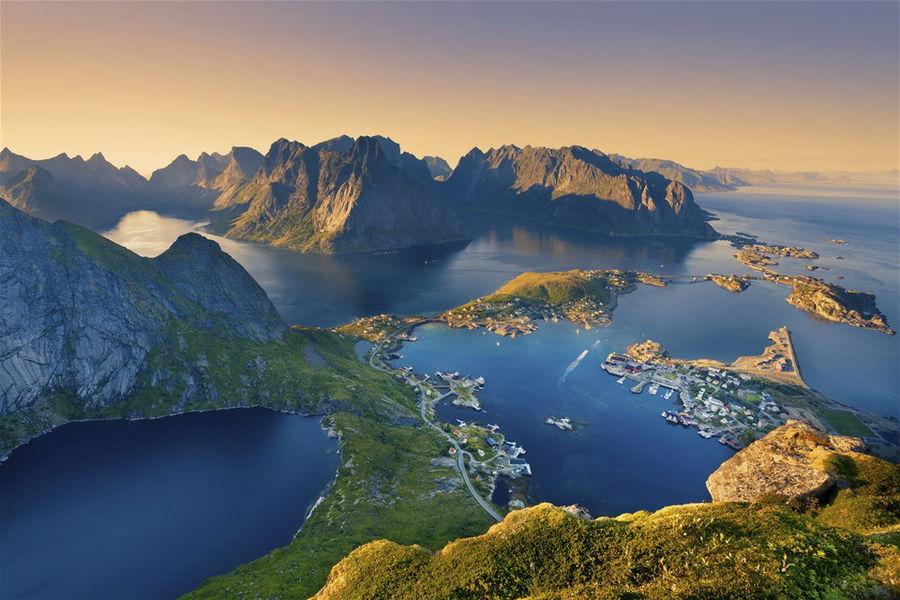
x,y
723,551
554,288
386,488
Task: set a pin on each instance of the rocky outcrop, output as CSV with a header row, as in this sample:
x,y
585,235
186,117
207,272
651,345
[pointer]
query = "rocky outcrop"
x,y
79,314
575,187
342,195
790,461
732,283
834,303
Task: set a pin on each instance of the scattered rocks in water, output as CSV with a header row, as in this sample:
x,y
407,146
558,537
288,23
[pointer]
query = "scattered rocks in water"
x,y
563,423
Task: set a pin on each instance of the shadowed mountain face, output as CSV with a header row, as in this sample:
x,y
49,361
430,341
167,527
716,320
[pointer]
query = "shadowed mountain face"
x,y
89,191
81,315
343,195
575,187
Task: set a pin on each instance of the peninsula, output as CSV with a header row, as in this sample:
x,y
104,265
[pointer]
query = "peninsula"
x,y
737,403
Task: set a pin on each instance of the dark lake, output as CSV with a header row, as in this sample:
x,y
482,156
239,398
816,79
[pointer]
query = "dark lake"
x,y
149,509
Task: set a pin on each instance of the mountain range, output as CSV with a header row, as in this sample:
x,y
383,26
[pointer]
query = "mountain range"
x,y
726,179
575,187
366,194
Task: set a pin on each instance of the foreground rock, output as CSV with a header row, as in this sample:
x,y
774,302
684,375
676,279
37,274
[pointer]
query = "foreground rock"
x,y
790,461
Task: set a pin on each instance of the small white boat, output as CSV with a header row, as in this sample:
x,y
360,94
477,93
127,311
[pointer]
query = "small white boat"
x,y
621,381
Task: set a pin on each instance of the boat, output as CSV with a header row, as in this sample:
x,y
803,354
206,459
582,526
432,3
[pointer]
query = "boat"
x,y
668,394
621,380
654,388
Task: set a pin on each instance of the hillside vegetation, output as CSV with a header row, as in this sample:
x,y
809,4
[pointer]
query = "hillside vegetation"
x,y
556,288
728,551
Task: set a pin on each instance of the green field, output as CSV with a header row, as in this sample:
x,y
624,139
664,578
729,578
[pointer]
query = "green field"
x,y
846,423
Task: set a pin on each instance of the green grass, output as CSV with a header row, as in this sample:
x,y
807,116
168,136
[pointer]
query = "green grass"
x,y
554,288
731,551
870,502
846,423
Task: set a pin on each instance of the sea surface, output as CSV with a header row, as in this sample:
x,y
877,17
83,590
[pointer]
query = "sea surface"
x,y
150,509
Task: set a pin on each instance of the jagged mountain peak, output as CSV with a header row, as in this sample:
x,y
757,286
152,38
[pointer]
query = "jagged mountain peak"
x,y
576,187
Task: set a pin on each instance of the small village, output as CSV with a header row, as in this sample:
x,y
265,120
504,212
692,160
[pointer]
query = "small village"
x,y
515,316
730,406
489,452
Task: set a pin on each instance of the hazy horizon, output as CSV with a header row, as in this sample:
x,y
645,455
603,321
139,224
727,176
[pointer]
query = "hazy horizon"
x,y
784,86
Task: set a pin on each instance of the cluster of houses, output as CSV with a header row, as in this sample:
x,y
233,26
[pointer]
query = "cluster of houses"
x,y
732,407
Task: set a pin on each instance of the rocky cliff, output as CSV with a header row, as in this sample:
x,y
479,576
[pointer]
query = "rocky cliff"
x,y
792,461
438,167
81,314
89,329
575,187
343,195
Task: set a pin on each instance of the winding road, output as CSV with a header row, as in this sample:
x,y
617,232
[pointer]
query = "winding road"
x,y
423,410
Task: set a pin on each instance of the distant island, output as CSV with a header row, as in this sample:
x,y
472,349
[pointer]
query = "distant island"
x,y
828,301
728,179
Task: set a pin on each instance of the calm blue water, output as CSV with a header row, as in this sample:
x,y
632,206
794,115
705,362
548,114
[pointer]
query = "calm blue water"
x,y
149,509
624,457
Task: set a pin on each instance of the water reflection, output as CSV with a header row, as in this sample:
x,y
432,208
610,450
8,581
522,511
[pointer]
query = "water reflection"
x,y
327,290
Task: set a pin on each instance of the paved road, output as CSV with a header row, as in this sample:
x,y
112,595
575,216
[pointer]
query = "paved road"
x,y
460,453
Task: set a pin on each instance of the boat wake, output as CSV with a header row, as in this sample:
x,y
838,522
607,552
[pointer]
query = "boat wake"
x,y
572,366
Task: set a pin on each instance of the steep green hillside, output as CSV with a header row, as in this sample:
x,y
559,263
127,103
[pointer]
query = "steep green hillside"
x,y
729,551
821,521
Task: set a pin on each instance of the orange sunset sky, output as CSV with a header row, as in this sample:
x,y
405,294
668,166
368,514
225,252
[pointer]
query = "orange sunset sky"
x,y
793,86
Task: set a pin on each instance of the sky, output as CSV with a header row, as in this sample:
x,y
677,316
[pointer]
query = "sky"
x,y
781,85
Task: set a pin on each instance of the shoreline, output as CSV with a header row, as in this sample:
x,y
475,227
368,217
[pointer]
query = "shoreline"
x,y
4,457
